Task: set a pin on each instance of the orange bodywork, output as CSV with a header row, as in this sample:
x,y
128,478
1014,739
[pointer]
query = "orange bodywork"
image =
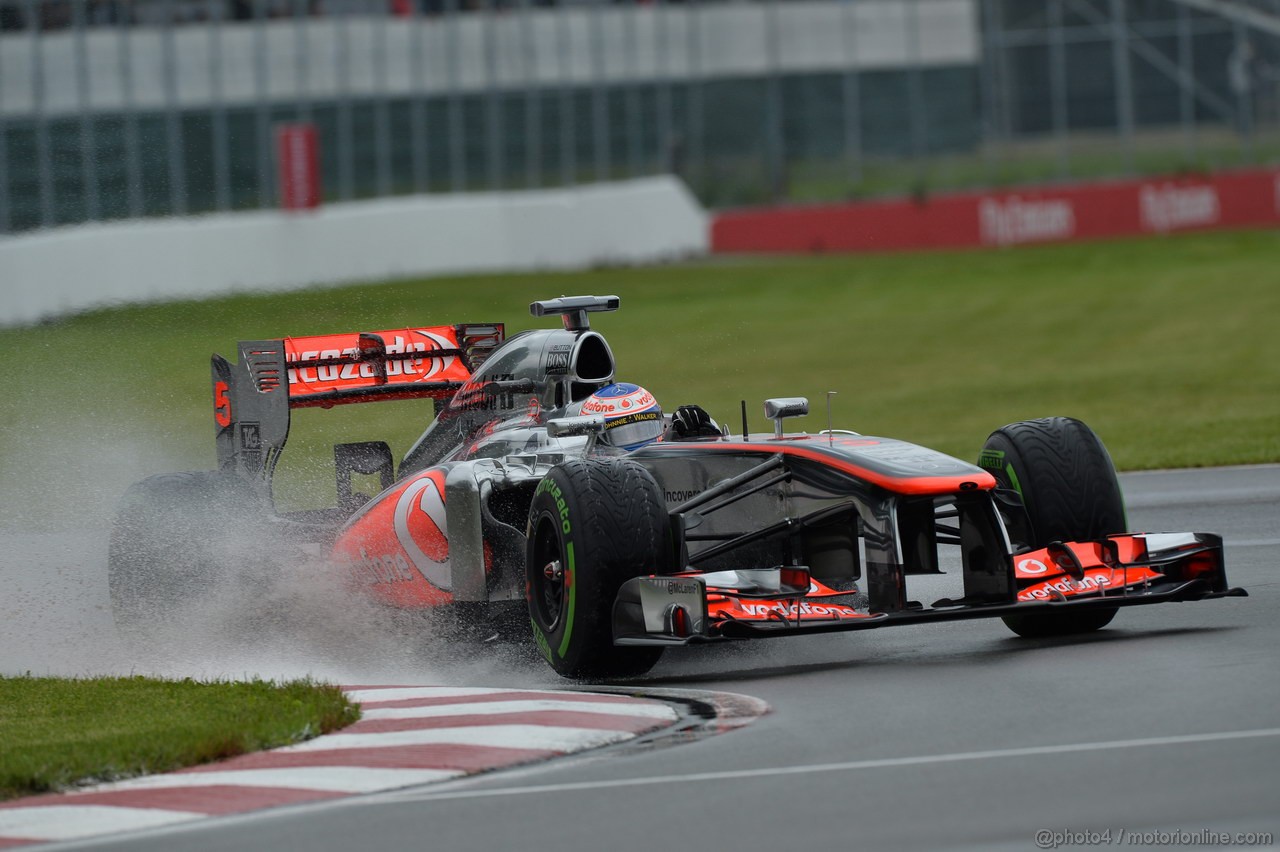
x,y
1038,575
1041,578
817,606
398,549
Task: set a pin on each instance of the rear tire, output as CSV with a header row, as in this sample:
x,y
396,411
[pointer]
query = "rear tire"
x,y
1068,487
593,525
171,542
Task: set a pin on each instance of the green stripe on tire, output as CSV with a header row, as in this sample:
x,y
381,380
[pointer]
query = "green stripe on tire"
x,y
1013,479
571,580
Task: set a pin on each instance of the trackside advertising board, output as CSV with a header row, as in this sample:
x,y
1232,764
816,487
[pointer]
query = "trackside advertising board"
x,y
1009,217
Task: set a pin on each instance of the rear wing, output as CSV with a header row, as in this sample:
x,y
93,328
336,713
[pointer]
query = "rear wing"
x,y
252,398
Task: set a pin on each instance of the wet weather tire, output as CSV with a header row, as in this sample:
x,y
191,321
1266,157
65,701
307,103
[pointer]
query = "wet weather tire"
x,y
1068,487
593,525
169,543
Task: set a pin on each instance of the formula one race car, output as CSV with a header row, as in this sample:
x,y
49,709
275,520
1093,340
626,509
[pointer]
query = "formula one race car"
x,y
521,492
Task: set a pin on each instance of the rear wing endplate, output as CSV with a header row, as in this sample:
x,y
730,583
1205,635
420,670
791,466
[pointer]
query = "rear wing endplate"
x,y
252,398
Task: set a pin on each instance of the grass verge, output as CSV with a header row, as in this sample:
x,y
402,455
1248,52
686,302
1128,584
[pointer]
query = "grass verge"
x,y
57,733
1165,345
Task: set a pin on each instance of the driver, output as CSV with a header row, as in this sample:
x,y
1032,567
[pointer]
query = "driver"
x,y
633,418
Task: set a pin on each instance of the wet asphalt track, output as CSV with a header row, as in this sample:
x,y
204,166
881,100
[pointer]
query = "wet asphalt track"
x,y
941,736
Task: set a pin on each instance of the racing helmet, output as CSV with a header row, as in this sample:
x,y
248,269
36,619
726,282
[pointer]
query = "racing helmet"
x,y
632,417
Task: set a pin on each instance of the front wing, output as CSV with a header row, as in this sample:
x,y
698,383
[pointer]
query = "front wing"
x,y
1120,570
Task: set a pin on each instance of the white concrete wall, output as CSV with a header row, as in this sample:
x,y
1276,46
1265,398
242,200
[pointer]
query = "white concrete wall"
x,y
58,271
327,58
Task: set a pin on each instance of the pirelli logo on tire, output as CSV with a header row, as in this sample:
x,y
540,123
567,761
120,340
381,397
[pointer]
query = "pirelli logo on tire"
x,y
551,488
991,459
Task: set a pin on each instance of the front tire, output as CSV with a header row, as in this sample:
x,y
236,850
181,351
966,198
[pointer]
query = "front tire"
x,y
593,525
1069,490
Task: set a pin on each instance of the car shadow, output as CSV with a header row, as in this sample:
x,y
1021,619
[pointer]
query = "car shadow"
x,y
993,651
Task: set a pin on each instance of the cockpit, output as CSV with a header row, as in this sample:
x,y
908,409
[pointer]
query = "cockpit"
x,y
530,378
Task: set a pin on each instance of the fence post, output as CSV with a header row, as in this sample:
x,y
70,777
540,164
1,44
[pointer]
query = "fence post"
x,y
457,161
381,107
1240,67
418,139
994,117
599,97
663,81
918,113
1186,92
1058,88
173,117
302,61
532,99
495,153
132,160
6,221
44,164
696,101
342,83
88,137
775,150
851,102
568,136
1124,81
262,114
632,94
218,110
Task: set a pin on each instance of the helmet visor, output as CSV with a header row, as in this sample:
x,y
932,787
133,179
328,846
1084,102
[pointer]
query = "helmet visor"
x,y
634,430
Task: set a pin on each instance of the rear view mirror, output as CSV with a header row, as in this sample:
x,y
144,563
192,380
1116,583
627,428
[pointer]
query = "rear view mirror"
x,y
783,407
568,427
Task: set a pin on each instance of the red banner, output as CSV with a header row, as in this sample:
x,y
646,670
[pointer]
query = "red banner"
x,y
298,166
1010,217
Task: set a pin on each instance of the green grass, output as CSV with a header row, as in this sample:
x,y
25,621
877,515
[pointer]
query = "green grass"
x,y
1166,346
56,733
